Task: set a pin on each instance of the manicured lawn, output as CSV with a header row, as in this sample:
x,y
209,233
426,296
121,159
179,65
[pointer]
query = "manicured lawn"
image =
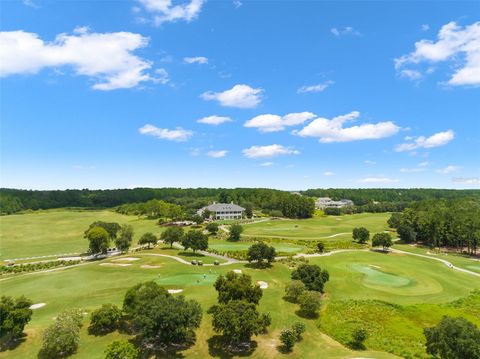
x,y
58,231
325,228
223,245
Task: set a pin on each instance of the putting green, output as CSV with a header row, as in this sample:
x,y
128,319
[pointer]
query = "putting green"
x,y
187,279
376,277
474,267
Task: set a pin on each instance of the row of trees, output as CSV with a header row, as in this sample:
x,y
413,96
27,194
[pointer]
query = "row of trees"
x,y
100,234
454,224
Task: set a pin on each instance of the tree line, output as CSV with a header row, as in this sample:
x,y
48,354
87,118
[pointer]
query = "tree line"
x,y
440,223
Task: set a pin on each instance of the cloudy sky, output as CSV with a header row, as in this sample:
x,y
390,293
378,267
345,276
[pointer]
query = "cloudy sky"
x,y
281,94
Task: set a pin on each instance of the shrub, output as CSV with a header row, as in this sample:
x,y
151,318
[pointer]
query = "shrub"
x,y
288,338
121,350
293,290
359,335
105,319
310,303
299,329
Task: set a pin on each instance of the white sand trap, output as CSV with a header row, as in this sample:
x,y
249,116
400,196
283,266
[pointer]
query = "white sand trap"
x,y
374,266
338,219
262,284
174,291
238,271
148,266
70,258
115,264
38,305
126,259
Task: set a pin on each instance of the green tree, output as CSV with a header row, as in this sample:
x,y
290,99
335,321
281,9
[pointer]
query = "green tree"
x,y
98,240
395,220
299,329
124,240
121,350
61,339
453,338
198,219
320,247
248,210
361,234
206,214
14,316
172,235
212,228
288,338
159,318
312,276
105,319
235,232
406,233
148,239
195,240
359,335
293,290
235,286
382,239
111,227
260,252
310,302
238,320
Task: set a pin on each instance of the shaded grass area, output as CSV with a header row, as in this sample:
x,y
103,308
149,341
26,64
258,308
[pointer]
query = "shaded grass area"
x,y
393,328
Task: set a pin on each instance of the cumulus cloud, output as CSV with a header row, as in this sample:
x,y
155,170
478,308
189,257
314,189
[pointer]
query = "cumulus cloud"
x,y
217,154
347,30
178,134
448,169
196,60
380,179
240,96
214,120
425,27
106,57
460,46
269,151
436,140
333,130
466,180
315,88
164,11
275,123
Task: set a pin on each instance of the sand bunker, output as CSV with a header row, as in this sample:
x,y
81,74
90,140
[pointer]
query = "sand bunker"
x,y
126,259
238,271
115,264
174,291
262,284
147,266
70,258
373,266
38,305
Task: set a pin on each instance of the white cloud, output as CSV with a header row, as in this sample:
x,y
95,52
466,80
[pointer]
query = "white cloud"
x,y
456,44
214,120
240,96
328,173
217,154
30,3
195,152
178,134
465,180
275,123
425,27
164,11
266,164
329,131
411,74
347,30
315,88
196,60
377,180
237,3
421,167
268,151
436,140
106,57
369,162
448,169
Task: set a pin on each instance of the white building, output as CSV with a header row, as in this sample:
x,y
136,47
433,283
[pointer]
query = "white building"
x,y
223,211
326,202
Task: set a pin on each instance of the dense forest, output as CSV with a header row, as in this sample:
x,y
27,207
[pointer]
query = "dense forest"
x,y
440,223
267,200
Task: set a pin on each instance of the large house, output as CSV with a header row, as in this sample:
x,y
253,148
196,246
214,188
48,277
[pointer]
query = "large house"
x,y
223,211
325,202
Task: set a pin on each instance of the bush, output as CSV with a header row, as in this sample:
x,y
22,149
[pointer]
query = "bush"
x,y
121,350
359,335
235,232
299,329
293,290
212,228
105,319
310,302
14,315
288,338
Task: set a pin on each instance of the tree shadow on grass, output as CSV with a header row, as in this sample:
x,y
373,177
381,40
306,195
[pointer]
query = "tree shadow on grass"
x,y
219,348
283,349
258,265
305,315
11,344
356,346
191,254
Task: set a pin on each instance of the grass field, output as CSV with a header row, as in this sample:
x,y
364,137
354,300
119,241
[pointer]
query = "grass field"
x,y
324,228
58,231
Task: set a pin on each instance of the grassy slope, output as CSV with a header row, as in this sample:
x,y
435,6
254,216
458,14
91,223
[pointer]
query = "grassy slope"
x,y
58,231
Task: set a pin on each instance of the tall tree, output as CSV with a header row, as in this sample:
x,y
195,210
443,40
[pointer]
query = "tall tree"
x,y
260,252
14,316
361,234
235,286
195,240
172,235
235,232
124,240
382,239
148,239
98,240
312,276
111,227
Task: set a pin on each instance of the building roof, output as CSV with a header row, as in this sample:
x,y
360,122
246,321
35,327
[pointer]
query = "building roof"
x,y
223,207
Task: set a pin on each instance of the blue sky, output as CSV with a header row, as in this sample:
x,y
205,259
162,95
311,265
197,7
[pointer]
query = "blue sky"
x,y
290,95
